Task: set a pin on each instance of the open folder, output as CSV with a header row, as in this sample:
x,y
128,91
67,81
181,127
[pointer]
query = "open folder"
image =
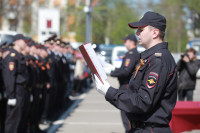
x,y
93,61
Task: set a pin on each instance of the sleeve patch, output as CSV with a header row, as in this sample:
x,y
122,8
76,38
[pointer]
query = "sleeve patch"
x,y
152,79
11,66
127,62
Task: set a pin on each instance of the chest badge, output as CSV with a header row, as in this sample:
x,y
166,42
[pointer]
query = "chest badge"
x,y
152,79
127,62
11,66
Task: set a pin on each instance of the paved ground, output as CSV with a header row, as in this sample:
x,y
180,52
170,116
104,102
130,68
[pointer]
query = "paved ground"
x,y
92,114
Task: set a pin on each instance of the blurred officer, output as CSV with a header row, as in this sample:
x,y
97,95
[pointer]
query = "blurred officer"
x,y
35,102
152,91
26,105
15,81
124,73
187,68
47,88
2,96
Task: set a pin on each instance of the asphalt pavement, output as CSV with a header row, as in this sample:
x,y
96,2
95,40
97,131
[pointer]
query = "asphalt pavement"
x,y
91,113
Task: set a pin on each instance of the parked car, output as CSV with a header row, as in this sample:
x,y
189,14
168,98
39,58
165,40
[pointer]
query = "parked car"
x,y
177,56
6,36
106,52
117,55
119,52
140,49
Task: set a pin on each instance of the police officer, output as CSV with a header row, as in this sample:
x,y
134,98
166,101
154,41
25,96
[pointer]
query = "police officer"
x,y
124,73
15,81
2,96
152,91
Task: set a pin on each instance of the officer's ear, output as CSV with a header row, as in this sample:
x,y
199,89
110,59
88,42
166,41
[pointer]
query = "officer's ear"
x,y
156,33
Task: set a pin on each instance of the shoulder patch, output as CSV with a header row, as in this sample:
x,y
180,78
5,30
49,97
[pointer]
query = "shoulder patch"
x,y
5,54
158,54
152,79
12,54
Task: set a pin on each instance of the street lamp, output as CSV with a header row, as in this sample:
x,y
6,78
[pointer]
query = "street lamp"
x,y
87,9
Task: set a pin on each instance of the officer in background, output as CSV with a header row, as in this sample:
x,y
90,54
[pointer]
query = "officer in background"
x,y
2,90
152,92
15,81
124,73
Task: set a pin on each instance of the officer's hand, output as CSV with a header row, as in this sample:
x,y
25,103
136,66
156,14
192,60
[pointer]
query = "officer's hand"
x,y
31,98
48,86
107,70
112,68
101,88
12,102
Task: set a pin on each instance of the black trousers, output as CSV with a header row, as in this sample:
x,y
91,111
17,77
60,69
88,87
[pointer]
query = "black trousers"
x,y
47,104
14,113
2,114
25,113
151,130
188,94
125,120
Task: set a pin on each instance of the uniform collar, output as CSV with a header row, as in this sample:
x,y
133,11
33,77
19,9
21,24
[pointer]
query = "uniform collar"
x,y
133,49
152,50
13,50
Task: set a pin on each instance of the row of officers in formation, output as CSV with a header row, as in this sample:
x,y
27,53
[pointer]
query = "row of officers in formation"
x,y
34,82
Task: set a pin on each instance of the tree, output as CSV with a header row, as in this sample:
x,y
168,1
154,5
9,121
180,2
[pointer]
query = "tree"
x,y
120,14
193,6
176,33
109,21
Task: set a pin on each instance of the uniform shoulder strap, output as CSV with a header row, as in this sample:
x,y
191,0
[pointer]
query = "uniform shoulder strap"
x,y
5,54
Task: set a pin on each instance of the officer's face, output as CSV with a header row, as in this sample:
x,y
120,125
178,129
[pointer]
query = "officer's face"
x,y
144,35
128,44
22,45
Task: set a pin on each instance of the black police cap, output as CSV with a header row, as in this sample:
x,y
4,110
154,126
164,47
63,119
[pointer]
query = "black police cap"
x,y
53,37
150,18
18,37
130,37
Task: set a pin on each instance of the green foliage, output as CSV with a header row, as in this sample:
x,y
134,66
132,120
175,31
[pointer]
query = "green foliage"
x,y
119,16
176,33
109,20
27,23
193,6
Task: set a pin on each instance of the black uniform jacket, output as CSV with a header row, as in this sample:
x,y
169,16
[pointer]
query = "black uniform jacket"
x,y
14,72
129,62
152,95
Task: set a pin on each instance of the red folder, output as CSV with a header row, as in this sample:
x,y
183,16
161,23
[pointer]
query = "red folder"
x,y
90,62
